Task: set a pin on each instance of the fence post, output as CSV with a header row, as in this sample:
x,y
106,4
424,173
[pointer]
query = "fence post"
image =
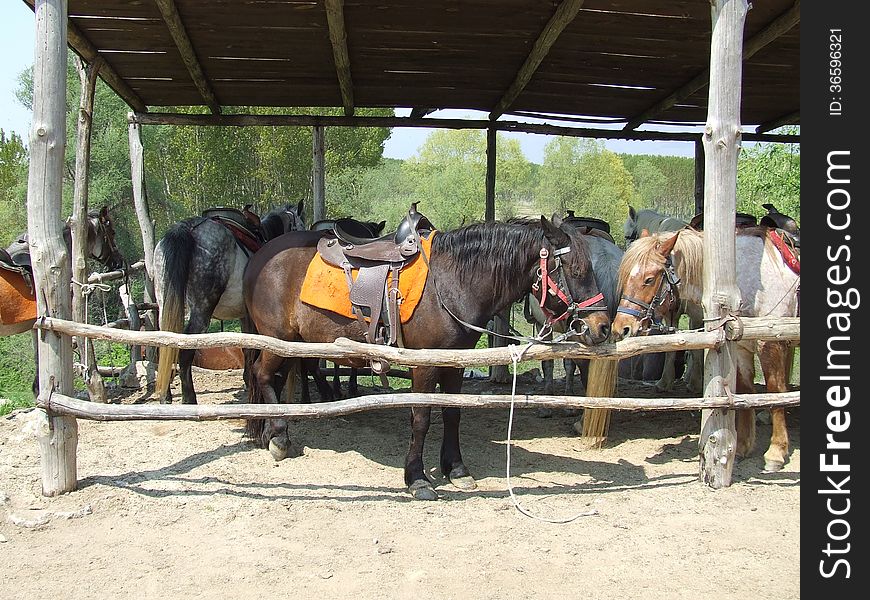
x,y
58,435
721,296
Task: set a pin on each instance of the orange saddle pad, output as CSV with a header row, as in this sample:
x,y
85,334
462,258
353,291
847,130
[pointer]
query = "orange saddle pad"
x,y
325,286
17,304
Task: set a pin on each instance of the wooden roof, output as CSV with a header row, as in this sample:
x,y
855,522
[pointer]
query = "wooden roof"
x,y
633,60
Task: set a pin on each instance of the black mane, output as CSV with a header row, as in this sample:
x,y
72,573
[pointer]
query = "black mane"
x,y
495,251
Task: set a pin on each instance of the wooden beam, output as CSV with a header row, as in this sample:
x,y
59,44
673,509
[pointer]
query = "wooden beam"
x,y
215,412
782,24
247,120
721,296
789,119
563,16
699,176
182,41
318,172
84,48
57,435
781,329
338,39
79,223
419,112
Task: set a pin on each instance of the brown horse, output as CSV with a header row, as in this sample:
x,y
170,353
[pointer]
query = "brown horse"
x,y
17,296
658,271
475,272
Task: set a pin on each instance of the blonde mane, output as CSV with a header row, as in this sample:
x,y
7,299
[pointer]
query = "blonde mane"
x,y
688,253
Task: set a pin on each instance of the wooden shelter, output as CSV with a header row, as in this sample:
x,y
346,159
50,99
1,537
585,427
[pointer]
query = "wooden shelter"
x,y
624,62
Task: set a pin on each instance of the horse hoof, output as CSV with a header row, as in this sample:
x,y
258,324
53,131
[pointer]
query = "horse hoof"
x,y
279,447
422,490
772,466
544,412
466,483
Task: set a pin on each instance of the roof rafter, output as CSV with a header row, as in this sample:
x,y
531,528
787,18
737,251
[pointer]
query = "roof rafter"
x,y
83,46
789,119
777,27
338,39
419,112
182,41
563,16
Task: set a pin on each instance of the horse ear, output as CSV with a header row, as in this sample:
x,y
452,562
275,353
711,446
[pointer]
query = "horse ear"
x,y
631,213
299,207
104,212
667,246
556,236
381,226
556,219
644,233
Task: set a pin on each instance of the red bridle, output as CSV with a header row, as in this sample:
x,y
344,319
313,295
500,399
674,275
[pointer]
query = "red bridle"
x,y
547,284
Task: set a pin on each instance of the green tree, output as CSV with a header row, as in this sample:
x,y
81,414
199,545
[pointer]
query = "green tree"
x,y
769,173
581,175
13,186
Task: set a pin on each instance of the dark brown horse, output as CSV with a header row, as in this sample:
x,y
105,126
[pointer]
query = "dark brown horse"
x,y
475,272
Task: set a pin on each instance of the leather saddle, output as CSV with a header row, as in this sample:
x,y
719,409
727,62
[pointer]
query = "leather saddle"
x,y
16,258
590,226
243,224
374,294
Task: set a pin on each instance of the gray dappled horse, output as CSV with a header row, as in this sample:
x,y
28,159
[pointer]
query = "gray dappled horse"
x,y
198,265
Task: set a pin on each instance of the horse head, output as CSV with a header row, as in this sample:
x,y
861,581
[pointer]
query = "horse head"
x,y
648,280
566,287
280,220
101,239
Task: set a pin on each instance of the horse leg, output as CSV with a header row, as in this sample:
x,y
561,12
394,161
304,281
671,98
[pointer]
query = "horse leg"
x,y
666,381
451,456
546,412
36,363
352,387
774,357
273,432
423,380
336,381
745,418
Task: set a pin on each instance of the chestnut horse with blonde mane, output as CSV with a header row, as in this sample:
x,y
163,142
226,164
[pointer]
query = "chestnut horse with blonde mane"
x,y
664,268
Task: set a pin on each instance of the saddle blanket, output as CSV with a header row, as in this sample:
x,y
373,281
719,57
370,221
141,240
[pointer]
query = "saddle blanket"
x,y
325,286
17,303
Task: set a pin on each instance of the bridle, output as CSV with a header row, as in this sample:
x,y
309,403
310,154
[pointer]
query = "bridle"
x,y
546,285
667,291
108,249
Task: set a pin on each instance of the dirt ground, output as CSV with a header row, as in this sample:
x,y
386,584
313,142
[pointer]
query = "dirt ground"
x,y
194,510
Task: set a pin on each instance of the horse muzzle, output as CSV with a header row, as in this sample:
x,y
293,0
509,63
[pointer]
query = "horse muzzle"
x,y
593,328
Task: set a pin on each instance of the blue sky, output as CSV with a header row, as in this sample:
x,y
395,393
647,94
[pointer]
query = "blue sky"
x,y
17,42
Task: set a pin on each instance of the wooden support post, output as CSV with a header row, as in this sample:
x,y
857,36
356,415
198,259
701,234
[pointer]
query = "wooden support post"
x,y
58,435
497,373
699,176
79,223
318,172
143,215
721,296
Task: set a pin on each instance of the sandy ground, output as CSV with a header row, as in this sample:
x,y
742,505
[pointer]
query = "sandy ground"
x,y
184,510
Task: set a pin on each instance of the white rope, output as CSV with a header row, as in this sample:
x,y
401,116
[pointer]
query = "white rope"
x,y
87,290
516,355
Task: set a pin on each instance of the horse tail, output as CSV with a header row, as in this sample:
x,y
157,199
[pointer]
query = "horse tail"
x,y
177,246
602,383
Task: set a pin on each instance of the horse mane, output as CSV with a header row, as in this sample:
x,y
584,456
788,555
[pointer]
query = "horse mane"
x,y
492,251
689,248
605,257
272,223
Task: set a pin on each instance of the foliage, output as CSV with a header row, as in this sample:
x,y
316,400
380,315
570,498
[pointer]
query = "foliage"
x,y
17,367
769,173
13,182
663,183
581,175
